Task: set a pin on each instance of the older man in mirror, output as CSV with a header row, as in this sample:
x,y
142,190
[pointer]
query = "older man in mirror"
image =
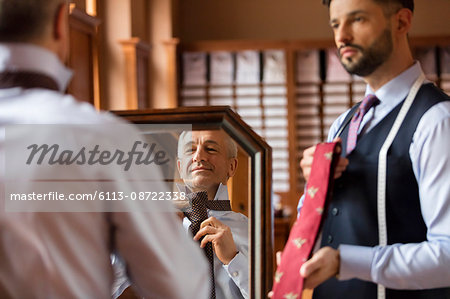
x,y
206,160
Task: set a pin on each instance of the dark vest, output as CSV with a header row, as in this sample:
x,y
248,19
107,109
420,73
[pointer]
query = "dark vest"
x,y
351,216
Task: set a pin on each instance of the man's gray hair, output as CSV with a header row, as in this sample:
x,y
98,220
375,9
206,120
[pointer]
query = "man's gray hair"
x,y
230,144
26,20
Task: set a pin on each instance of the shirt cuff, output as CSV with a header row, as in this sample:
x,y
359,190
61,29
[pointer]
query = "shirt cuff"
x,y
235,265
355,262
237,270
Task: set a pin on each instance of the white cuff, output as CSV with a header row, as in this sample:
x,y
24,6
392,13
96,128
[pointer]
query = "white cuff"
x,y
237,269
355,262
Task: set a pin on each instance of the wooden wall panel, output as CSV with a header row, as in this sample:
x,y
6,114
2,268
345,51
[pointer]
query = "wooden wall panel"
x,y
83,58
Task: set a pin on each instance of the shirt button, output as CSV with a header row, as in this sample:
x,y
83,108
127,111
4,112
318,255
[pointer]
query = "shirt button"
x,y
335,211
235,274
330,239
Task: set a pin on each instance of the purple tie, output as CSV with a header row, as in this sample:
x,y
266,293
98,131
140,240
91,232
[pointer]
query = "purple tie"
x,y
368,102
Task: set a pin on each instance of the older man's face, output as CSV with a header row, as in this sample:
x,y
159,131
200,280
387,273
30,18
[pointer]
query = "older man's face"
x,y
204,160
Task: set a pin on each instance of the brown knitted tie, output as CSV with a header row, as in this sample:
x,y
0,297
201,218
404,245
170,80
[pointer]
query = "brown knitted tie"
x,y
26,80
199,205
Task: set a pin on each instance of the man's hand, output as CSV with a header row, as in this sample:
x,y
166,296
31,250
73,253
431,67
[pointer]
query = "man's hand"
x,y
221,238
323,265
308,155
278,259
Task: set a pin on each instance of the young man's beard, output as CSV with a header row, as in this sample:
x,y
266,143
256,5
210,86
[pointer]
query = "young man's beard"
x,y
372,57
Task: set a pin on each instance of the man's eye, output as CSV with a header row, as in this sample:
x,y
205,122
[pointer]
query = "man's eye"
x,y
210,149
334,26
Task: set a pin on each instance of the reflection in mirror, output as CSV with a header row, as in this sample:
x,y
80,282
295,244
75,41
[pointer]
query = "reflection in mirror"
x,y
249,189
206,160
238,182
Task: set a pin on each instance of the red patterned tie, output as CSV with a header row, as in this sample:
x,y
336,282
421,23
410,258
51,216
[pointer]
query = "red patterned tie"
x,y
366,104
288,283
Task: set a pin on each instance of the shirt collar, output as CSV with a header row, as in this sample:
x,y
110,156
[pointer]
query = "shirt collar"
x,y
27,57
221,194
396,90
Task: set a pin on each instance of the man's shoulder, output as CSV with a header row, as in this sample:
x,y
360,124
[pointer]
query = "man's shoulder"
x,y
51,113
433,93
432,105
42,106
66,109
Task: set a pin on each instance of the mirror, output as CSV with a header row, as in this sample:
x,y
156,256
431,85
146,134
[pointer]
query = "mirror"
x,y
253,177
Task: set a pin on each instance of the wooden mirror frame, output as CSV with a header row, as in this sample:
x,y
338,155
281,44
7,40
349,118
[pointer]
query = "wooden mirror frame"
x,y
260,153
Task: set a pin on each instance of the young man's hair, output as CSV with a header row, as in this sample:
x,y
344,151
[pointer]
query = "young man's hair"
x,y
409,4
26,20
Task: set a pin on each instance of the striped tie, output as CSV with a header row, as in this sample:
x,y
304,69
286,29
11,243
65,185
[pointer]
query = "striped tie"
x,y
366,104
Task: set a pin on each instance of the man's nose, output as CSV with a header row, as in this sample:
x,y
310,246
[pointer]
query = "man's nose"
x,y
199,155
343,35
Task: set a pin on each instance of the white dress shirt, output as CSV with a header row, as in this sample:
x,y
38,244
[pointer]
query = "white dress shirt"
x,y
67,255
410,266
232,279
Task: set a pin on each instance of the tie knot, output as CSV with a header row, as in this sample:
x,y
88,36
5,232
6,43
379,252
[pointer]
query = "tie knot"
x,y
369,101
198,200
219,205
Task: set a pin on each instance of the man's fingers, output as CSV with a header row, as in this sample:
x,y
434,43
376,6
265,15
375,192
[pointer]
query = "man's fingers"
x,y
205,240
312,282
306,161
323,265
340,167
339,141
308,156
204,231
278,257
211,221
342,163
309,267
309,151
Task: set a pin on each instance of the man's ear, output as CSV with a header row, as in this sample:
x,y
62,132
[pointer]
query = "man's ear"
x,y
179,166
61,30
60,21
403,20
232,166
